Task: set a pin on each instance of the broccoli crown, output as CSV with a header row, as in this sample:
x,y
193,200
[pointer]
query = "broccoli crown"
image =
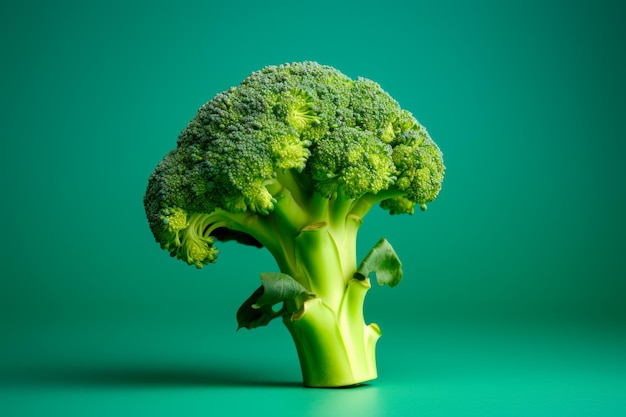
x,y
335,135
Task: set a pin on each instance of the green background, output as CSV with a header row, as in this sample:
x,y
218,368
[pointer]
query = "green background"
x,y
514,297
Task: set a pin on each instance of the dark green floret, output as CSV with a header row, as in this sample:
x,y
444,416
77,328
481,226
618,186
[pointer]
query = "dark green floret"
x,y
292,159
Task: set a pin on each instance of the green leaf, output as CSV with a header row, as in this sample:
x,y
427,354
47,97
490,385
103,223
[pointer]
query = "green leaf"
x,y
258,310
384,262
249,317
278,287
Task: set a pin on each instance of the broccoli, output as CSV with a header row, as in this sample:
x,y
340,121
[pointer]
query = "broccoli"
x,y
291,160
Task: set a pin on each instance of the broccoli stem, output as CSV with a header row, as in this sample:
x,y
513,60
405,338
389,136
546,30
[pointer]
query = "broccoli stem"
x,y
367,201
313,239
335,348
334,345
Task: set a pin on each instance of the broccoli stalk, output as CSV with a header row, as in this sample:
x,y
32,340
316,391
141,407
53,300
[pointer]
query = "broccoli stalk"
x,y
292,160
323,309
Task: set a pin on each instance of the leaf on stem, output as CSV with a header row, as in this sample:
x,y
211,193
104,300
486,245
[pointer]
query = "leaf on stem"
x,y
258,310
384,262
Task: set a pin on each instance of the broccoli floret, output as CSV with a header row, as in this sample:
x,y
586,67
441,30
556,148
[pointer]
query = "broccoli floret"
x,y
292,159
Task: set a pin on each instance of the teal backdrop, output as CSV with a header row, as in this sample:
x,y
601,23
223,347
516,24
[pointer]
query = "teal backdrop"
x,y
514,296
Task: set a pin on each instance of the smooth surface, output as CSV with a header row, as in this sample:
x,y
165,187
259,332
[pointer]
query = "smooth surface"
x,y
513,298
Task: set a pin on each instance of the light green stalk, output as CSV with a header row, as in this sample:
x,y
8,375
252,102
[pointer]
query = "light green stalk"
x,y
322,290
335,346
